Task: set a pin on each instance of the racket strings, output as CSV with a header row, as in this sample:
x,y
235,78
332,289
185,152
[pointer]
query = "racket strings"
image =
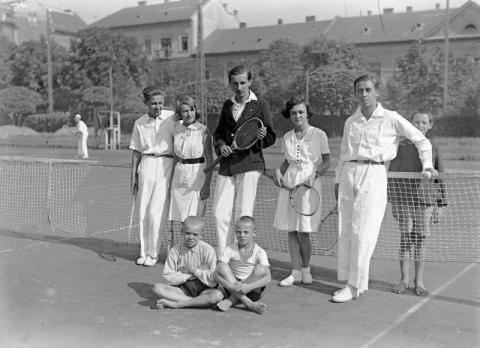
x,y
305,200
247,134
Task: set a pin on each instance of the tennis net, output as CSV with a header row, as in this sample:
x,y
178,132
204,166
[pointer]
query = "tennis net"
x,y
92,200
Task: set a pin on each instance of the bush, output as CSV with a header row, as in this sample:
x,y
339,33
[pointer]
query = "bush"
x,y
457,126
48,122
126,122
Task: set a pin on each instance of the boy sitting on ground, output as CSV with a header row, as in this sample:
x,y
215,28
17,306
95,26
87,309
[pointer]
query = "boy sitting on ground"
x,y
243,270
189,271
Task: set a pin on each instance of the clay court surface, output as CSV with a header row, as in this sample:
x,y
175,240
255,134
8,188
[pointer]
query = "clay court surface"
x,y
77,291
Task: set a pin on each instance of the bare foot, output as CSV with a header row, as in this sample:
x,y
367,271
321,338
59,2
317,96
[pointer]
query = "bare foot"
x,y
257,307
224,305
400,288
164,303
421,291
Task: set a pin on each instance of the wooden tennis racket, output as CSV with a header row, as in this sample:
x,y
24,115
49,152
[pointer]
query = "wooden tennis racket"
x,y
246,135
304,198
132,212
327,234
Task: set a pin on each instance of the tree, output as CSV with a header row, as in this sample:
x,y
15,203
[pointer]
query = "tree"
x,y
98,50
18,102
28,65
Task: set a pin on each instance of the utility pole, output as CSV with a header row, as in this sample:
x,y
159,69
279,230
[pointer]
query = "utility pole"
x,y
445,64
200,68
49,65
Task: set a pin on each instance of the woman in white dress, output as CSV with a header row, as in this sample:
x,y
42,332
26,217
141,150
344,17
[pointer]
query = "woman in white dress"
x,y
193,151
307,157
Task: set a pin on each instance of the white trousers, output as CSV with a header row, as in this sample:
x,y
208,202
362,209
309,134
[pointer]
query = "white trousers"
x,y
154,178
241,188
82,149
361,205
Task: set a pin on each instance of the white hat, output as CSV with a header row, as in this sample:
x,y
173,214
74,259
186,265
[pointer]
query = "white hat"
x,y
78,116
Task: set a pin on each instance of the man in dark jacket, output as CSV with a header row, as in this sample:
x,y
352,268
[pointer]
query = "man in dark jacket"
x,y
240,170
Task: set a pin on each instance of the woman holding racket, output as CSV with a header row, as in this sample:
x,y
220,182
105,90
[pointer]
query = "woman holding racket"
x,y
192,145
307,157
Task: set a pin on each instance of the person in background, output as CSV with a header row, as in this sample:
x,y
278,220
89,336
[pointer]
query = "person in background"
x,y
81,132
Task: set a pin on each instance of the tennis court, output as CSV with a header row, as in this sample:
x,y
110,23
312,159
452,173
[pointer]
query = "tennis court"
x,y
68,276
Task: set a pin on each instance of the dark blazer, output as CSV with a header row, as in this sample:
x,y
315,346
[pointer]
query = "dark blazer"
x,y
246,160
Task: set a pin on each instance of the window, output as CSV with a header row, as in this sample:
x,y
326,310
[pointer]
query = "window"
x,y
148,46
470,29
166,46
184,43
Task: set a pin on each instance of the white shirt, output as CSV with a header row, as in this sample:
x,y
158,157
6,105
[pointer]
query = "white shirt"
x,y
202,257
243,268
82,128
237,108
154,135
377,138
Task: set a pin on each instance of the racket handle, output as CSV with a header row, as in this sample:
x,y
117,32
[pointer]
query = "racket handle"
x,y
213,164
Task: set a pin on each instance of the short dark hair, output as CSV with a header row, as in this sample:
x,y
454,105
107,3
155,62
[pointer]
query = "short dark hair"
x,y
367,77
295,101
238,70
150,91
430,117
185,100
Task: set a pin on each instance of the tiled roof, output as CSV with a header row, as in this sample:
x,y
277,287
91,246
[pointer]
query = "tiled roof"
x,y
148,14
387,27
259,38
66,22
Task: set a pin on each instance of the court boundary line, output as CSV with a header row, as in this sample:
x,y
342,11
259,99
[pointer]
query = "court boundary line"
x,y
412,310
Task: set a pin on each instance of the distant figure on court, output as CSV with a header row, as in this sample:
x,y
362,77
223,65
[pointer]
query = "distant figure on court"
x,y
151,171
240,170
414,204
81,132
243,270
370,138
307,157
189,271
193,150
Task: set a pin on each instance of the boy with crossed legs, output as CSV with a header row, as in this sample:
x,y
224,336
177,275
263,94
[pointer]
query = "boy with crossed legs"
x,y
189,271
243,270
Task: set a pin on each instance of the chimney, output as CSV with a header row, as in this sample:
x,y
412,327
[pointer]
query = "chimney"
x,y
310,19
142,3
369,12
280,21
437,6
235,13
243,25
409,8
388,10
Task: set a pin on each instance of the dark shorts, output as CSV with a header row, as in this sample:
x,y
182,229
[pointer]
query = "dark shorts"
x,y
193,287
254,295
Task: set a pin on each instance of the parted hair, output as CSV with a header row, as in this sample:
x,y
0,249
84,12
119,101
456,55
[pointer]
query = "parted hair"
x,y
367,77
238,70
295,101
150,91
185,100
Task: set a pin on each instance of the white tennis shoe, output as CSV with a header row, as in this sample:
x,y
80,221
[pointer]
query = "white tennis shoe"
x,y
150,261
141,260
294,277
346,294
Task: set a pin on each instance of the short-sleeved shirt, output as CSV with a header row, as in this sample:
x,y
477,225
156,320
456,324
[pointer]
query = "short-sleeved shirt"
x,y
154,135
243,268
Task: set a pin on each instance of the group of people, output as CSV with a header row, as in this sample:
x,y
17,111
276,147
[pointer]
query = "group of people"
x,y
171,149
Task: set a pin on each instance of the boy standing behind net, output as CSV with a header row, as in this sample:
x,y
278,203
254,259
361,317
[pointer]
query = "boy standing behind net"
x,y
414,202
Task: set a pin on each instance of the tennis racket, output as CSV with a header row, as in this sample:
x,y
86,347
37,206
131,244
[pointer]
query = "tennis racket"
x,y
304,198
246,135
327,234
132,212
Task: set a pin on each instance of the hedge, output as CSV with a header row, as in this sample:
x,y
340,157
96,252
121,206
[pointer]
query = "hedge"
x,y
48,122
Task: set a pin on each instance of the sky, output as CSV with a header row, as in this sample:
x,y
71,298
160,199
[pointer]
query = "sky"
x,y
259,12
